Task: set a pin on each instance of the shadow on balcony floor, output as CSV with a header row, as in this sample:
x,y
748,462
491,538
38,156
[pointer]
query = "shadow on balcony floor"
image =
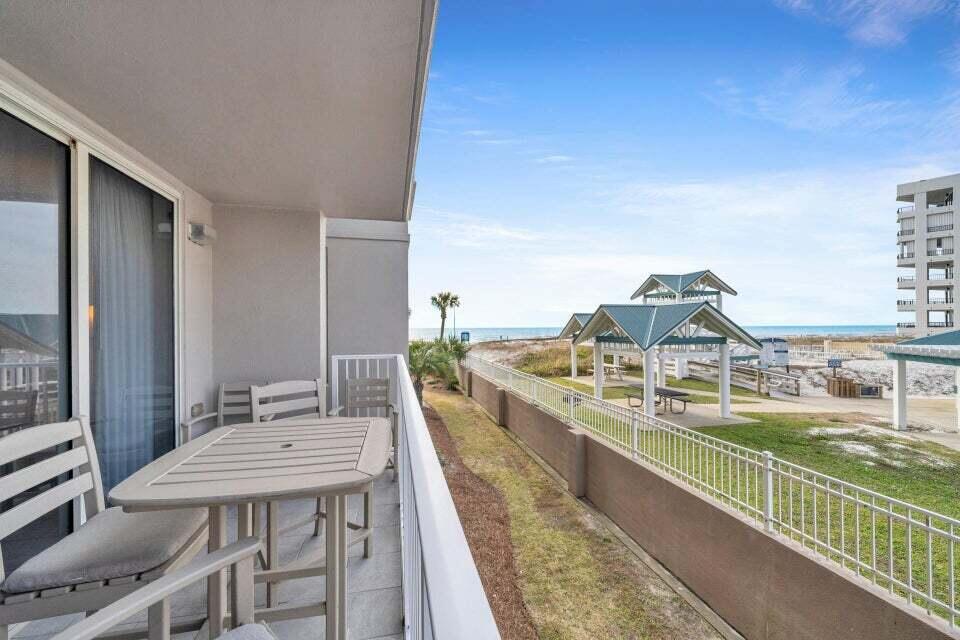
x,y
374,604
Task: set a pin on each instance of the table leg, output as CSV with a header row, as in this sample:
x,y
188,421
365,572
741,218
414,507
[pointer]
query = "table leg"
x,y
273,551
336,568
240,593
216,583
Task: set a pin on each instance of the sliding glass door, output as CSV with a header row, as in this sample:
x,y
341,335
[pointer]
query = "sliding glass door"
x,y
131,322
35,378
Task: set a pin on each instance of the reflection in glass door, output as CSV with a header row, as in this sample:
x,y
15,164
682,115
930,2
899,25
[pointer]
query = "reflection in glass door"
x,y
34,308
131,318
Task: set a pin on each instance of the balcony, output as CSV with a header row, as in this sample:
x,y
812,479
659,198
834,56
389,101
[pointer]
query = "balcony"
x,y
902,211
420,579
906,305
907,259
940,302
940,251
905,232
945,324
906,282
906,325
940,228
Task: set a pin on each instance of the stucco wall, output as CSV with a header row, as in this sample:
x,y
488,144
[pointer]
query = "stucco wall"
x,y
198,379
268,285
367,299
766,589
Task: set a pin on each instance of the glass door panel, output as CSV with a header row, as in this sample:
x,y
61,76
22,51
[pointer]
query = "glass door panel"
x,y
131,322
34,308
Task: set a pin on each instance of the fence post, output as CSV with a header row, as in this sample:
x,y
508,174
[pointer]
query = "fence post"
x,y
635,434
767,458
570,403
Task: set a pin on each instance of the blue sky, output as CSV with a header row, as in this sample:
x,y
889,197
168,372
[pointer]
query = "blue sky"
x,y
569,149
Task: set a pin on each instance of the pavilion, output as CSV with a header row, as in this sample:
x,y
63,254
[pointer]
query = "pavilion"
x,y
681,330
942,348
570,331
697,286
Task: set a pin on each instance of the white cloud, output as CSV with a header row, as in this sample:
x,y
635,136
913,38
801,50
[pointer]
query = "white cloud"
x,y
813,100
870,22
554,159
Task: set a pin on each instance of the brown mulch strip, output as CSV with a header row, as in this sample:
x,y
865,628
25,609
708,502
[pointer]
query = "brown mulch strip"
x,y
486,523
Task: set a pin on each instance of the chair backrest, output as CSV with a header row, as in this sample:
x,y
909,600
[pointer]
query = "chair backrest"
x,y
367,394
233,399
80,458
289,399
17,408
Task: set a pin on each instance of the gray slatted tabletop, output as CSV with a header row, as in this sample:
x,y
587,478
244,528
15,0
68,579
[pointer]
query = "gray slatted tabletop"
x,y
248,464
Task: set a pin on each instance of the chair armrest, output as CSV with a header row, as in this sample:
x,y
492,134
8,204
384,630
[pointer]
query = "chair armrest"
x,y
112,615
186,427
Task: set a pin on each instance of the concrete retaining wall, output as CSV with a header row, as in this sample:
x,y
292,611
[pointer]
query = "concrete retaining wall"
x,y
764,588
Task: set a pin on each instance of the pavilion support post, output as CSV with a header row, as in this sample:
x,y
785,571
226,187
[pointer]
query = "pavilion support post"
x,y
680,368
573,359
597,370
900,395
958,399
616,359
649,388
661,370
724,380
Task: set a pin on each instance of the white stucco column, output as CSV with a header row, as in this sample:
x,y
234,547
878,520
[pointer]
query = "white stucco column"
x,y
649,387
597,370
680,371
661,370
724,380
616,360
900,395
573,359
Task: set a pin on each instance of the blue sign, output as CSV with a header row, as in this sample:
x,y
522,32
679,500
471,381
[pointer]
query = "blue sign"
x,y
834,363
464,336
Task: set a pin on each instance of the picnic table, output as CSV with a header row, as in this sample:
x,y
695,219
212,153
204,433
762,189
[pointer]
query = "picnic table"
x,y
249,464
664,396
613,370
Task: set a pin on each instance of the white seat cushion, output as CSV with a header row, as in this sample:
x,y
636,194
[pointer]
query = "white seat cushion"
x,y
248,632
112,544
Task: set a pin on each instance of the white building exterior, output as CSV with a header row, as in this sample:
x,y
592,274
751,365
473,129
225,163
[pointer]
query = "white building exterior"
x,y
926,239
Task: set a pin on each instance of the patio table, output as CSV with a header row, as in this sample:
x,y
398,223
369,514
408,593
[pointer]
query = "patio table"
x,y
247,464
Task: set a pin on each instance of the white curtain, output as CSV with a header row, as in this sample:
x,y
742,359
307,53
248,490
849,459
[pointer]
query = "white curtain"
x,y
131,347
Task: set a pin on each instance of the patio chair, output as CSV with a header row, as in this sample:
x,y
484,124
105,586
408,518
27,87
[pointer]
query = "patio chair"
x,y
237,556
296,399
109,556
366,395
233,399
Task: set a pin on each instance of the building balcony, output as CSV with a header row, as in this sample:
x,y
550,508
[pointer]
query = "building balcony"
x,y
906,259
940,228
906,209
940,304
905,232
906,282
940,207
906,305
943,324
940,251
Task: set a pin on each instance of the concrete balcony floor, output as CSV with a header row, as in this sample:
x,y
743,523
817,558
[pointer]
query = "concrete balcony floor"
x,y
374,601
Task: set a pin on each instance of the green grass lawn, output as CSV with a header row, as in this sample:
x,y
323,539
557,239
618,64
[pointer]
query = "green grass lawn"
x,y
923,473
619,393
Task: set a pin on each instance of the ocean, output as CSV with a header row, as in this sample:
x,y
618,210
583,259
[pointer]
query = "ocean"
x,y
484,334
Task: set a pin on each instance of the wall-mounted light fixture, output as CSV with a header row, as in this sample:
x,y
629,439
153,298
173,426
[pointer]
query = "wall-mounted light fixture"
x,y
202,234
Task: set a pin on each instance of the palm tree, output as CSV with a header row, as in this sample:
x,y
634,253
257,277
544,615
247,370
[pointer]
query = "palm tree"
x,y
443,301
428,359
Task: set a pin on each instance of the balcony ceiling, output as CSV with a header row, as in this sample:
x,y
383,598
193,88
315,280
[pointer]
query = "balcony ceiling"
x,y
296,104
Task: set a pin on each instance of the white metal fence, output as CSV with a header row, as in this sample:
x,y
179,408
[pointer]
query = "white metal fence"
x,y
903,548
442,593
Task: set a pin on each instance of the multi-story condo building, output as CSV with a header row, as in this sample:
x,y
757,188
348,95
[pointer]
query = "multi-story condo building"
x,y
925,245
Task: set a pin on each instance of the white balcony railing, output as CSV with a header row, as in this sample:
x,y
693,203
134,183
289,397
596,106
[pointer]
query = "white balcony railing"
x,y
442,593
900,547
